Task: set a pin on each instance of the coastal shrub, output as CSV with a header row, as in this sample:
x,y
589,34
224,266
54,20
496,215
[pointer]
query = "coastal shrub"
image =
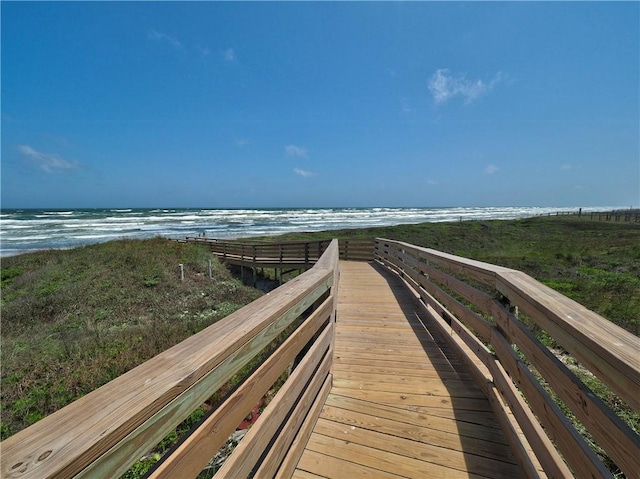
x,y
104,322
8,275
558,251
73,320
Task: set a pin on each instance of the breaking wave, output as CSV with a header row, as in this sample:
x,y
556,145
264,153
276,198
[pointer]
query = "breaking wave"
x,y
28,230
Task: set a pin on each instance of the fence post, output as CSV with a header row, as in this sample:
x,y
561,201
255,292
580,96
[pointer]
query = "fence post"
x,y
181,272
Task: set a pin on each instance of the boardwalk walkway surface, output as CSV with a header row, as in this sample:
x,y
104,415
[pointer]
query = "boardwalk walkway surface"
x,y
401,404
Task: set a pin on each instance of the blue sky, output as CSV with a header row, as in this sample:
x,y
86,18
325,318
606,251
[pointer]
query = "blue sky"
x,y
221,104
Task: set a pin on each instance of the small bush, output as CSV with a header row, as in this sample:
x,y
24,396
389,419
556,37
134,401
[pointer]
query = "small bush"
x,y
73,320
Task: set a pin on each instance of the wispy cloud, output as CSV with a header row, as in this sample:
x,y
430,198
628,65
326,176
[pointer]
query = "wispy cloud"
x,y
203,51
445,86
304,173
163,37
240,142
565,167
491,169
229,55
432,182
296,151
47,162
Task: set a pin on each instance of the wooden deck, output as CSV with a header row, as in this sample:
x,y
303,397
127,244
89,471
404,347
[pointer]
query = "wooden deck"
x,y
401,404
378,390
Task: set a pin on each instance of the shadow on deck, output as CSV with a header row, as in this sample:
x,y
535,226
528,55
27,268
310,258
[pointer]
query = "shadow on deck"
x,y
402,404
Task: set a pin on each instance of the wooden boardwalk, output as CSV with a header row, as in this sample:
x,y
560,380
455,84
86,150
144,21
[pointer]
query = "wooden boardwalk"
x,y
379,392
401,404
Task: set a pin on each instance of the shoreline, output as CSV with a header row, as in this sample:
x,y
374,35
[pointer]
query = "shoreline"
x,y
44,230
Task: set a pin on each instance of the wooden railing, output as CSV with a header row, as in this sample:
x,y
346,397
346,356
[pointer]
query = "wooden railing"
x,y
108,430
485,311
267,254
490,323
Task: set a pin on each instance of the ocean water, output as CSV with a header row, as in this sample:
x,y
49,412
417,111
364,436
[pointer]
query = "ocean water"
x,y
29,229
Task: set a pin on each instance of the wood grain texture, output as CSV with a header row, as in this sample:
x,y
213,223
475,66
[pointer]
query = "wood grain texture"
x,y
610,432
609,352
247,454
193,454
401,403
290,461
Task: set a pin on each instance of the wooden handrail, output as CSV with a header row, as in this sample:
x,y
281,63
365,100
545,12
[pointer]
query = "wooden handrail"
x,y
608,351
105,432
302,253
479,306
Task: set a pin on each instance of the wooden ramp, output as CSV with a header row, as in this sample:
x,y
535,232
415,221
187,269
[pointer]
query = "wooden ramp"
x,y
401,404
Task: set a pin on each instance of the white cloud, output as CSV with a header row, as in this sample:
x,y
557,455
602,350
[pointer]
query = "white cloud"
x,y
304,173
444,86
240,142
163,37
565,167
229,54
48,162
296,151
491,169
432,182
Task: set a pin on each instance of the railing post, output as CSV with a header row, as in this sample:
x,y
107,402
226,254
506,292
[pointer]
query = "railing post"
x,y
254,265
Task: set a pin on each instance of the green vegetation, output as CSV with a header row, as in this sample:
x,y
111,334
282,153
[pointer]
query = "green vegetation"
x,y
74,320
596,263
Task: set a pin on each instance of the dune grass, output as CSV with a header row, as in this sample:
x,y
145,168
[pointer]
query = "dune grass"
x,y
74,320
596,263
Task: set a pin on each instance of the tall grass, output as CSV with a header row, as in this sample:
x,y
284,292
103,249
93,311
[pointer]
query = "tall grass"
x,y
74,320
596,263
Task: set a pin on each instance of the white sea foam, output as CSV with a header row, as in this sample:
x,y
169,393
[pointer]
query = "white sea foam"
x,y
26,230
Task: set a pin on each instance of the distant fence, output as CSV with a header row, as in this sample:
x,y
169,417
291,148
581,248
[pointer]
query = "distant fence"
x,y
293,254
630,215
